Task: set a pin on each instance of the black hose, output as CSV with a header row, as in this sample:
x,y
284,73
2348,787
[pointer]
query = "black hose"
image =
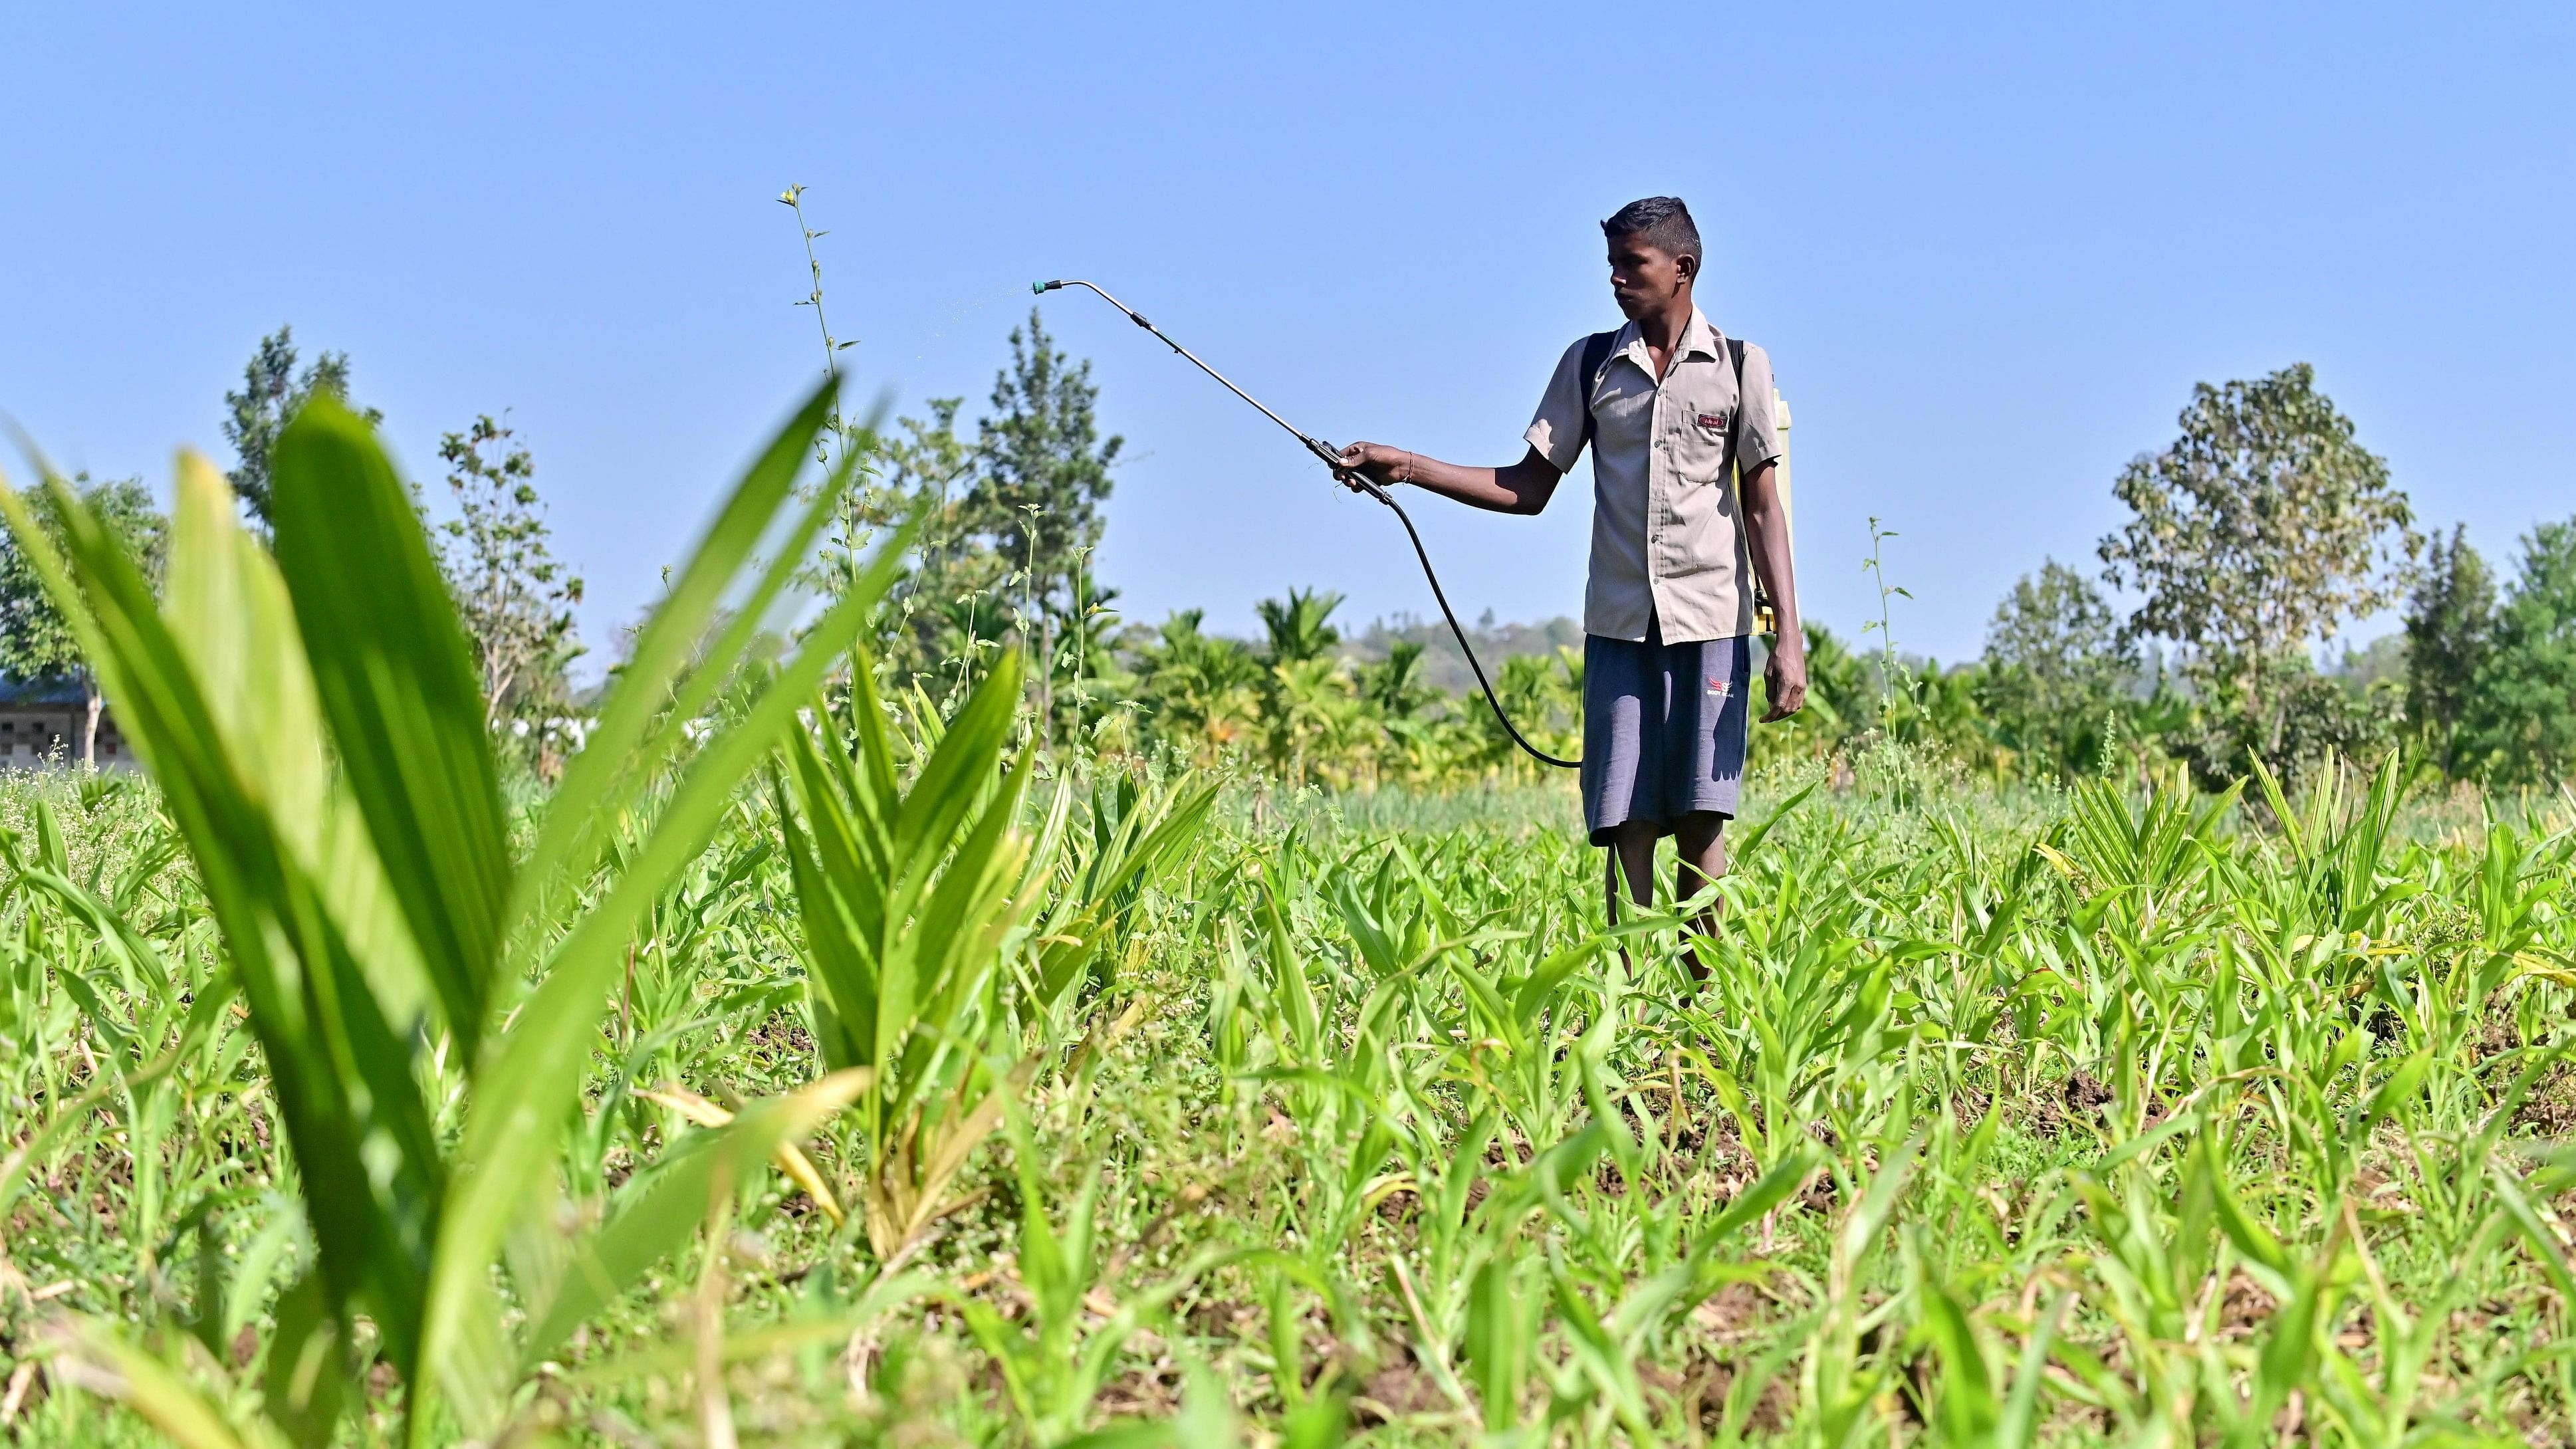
x,y
1432,577
1331,458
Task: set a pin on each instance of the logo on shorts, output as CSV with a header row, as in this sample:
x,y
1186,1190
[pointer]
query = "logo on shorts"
x,y
1717,686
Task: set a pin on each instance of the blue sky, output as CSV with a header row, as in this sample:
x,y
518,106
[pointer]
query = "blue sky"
x,y
1989,248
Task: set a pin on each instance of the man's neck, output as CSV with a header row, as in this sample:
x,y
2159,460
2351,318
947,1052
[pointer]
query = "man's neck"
x,y
1663,327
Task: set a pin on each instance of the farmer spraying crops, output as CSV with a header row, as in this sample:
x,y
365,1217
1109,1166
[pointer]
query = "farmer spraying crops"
x,y
1674,411
1687,521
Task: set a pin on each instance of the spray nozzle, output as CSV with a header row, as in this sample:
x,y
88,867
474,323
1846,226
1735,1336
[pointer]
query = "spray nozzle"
x,y
1044,286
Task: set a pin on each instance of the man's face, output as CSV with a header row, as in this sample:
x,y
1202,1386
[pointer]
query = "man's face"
x,y
1643,276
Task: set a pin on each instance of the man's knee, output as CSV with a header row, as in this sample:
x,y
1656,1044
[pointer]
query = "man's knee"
x,y
1698,831
1633,834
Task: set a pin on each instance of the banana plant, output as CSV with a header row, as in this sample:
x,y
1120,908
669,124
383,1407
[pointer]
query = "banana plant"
x,y
908,893
313,722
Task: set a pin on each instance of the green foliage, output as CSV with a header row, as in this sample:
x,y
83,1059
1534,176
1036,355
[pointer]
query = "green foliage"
x,y
2316,720
37,640
1394,686
271,394
1997,1119
1195,687
350,1104
2057,672
1299,627
2520,719
943,608
371,914
907,896
1042,468
514,599
1014,518
2450,622
2261,528
1305,695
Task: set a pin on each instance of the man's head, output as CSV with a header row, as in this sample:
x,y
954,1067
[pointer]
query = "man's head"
x,y
1654,254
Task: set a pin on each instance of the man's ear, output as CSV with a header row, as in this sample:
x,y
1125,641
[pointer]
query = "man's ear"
x,y
1688,266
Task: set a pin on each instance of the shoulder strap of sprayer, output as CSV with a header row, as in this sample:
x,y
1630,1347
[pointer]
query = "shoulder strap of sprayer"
x,y
1735,419
1596,355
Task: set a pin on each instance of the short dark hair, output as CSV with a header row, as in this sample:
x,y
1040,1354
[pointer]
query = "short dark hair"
x,y
1662,222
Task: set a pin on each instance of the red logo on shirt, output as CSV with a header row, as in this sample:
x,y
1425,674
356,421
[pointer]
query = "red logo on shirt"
x,y
1714,422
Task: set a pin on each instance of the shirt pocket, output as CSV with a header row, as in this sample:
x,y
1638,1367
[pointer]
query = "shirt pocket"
x,y
1699,451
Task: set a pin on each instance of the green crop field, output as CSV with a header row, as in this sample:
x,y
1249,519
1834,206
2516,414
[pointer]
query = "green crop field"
x,y
819,1062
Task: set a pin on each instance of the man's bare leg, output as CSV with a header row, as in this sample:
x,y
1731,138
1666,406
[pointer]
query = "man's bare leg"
x,y
1632,854
1699,838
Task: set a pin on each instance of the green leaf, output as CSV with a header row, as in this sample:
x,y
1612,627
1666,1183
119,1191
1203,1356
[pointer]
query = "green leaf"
x,y
1500,1341
1969,1411
525,1092
1767,1192
660,689
108,1367
2251,1237
304,1379
395,678
677,1200
2545,1248
343,1088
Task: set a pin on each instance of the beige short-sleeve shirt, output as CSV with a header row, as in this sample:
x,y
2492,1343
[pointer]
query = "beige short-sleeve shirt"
x,y
1667,528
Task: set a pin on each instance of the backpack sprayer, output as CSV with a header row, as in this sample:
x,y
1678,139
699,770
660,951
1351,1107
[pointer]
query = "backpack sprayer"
x,y
1331,458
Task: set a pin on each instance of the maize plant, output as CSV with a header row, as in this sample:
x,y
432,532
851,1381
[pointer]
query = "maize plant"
x,y
821,1063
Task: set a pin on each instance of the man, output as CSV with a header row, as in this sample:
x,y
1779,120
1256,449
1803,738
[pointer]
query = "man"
x,y
1676,551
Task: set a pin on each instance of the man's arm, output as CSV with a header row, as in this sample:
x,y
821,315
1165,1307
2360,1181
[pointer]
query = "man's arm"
x,y
1766,527
1524,487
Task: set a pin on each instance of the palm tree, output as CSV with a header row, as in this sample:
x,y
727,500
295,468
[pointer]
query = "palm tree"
x,y
1298,625
1199,688
1305,693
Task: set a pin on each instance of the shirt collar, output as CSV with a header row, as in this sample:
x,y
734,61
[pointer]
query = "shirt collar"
x,y
1698,335
1701,336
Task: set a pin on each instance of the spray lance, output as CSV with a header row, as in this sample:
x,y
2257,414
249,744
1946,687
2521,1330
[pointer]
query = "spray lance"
x,y
1331,458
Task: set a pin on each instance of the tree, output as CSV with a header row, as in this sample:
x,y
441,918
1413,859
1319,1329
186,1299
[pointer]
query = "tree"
x,y
2450,627
1042,470
1198,687
1299,626
515,598
1015,515
37,645
1305,695
936,608
1395,686
2057,668
2255,535
272,393
2523,715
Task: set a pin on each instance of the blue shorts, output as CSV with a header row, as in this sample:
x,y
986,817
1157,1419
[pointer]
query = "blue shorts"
x,y
1663,729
